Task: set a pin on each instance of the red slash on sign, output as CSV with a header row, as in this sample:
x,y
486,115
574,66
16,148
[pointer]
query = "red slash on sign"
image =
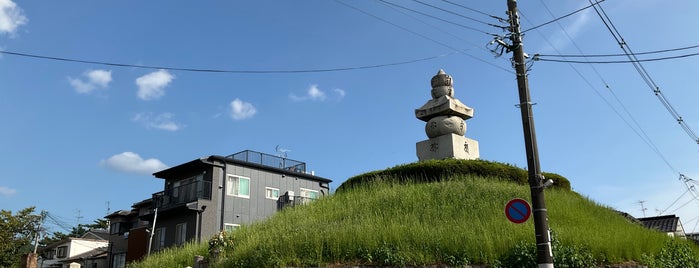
x,y
518,210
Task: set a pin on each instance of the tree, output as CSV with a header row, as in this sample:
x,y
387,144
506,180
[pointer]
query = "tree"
x,y
17,233
77,231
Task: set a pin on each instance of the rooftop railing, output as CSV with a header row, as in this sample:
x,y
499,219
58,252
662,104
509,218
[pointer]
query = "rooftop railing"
x,y
182,194
269,160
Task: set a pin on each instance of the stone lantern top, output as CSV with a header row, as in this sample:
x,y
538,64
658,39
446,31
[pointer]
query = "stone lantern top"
x,y
442,79
443,102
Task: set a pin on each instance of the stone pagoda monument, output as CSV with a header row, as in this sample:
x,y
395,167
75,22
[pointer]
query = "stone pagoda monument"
x,y
445,126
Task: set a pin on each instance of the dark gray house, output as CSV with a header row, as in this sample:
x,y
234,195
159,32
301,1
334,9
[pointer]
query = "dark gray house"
x,y
207,195
669,224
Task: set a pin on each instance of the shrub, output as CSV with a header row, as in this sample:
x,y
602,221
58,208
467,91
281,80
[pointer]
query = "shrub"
x,y
674,254
438,170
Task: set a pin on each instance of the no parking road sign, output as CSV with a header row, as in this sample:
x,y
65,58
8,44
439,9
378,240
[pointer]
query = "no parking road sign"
x,y
518,210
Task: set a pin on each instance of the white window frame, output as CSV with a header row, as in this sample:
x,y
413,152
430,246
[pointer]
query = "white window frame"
x,y
229,227
181,233
234,181
269,193
304,190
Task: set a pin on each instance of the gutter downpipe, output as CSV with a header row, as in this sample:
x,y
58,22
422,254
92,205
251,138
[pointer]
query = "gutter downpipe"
x,y
223,196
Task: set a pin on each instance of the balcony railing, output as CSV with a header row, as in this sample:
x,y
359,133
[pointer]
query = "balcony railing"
x,y
269,160
182,194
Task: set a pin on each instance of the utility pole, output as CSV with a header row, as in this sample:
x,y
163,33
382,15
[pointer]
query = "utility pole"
x,y
544,253
643,208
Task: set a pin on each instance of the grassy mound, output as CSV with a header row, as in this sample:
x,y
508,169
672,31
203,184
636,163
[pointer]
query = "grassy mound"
x,y
437,170
456,220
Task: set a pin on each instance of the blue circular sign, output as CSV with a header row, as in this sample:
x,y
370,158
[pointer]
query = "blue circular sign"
x,y
518,210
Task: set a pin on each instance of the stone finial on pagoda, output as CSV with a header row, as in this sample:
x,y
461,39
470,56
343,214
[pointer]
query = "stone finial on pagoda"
x,y
445,123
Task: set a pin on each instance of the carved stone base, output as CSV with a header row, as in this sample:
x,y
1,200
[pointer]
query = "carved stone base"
x,y
448,146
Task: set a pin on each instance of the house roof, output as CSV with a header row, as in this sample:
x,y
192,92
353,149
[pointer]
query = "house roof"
x,y
665,223
100,234
120,213
97,253
198,164
69,239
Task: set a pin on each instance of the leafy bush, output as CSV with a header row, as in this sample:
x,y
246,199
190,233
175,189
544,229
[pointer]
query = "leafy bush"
x,y
674,254
438,170
564,255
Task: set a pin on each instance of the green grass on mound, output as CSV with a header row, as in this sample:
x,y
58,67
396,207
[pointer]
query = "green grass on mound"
x,y
451,222
454,220
437,170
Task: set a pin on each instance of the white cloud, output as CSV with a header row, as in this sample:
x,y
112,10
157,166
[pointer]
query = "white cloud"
x,y
7,191
129,162
316,94
100,77
563,38
11,17
163,121
152,86
241,110
341,93
95,79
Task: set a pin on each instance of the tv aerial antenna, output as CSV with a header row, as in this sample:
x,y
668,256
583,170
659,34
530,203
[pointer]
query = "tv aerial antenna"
x,y
281,151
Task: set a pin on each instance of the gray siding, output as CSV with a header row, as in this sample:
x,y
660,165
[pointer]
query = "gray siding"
x,y
240,210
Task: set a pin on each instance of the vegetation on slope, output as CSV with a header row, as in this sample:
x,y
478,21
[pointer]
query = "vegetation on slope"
x,y
438,170
456,221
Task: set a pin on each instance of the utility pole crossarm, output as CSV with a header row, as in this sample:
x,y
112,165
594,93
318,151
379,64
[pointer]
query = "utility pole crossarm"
x,y
544,254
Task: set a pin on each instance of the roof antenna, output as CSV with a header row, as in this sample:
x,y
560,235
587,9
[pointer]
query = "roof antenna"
x,y
281,151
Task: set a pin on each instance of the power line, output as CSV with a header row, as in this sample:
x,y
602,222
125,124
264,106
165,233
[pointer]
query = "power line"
x,y
619,55
638,130
170,68
443,31
475,10
562,17
673,203
537,57
642,71
438,18
460,15
420,35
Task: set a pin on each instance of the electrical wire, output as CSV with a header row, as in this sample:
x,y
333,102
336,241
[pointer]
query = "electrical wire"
x,y
438,18
619,55
644,135
673,203
642,71
441,30
476,10
537,57
683,205
559,18
460,15
638,130
461,51
170,68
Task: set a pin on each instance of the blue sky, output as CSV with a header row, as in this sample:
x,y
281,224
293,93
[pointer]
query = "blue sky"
x,y
77,136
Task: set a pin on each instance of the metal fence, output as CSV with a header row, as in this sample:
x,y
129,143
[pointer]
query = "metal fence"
x,y
269,160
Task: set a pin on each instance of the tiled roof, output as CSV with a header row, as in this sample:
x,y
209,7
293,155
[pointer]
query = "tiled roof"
x,y
666,223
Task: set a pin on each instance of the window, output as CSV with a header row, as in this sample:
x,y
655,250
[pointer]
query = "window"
x,y
62,252
229,227
50,254
159,238
239,186
181,233
272,193
307,193
119,260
